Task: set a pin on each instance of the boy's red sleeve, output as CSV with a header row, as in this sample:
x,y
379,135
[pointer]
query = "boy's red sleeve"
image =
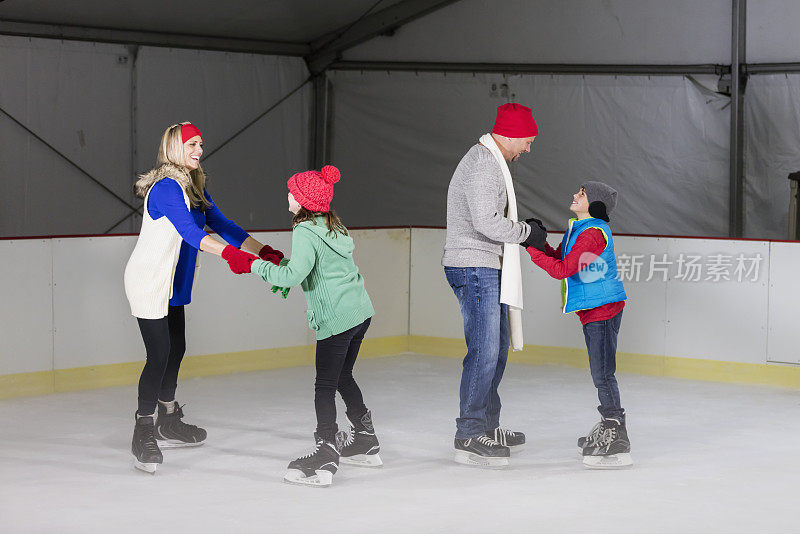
x,y
552,252
591,242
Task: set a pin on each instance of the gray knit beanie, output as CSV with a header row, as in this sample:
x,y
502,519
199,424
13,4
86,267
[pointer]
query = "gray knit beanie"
x,y
598,193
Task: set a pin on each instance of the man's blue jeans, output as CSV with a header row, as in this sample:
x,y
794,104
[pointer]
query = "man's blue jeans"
x,y
601,342
486,332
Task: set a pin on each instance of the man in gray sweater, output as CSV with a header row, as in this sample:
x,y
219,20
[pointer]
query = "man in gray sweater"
x,y
477,228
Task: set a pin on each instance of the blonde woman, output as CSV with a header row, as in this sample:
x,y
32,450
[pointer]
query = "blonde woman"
x,y
158,283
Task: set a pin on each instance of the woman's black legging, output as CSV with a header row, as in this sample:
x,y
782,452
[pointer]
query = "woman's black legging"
x,y
165,343
336,357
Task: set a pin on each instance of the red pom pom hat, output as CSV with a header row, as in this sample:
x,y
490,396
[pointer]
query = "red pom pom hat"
x,y
314,189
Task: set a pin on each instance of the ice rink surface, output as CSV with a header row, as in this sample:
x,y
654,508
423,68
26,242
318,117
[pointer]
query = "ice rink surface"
x,y
708,458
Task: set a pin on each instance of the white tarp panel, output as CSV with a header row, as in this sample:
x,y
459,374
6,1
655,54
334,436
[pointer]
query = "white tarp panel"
x,y
772,151
221,92
566,31
661,141
75,96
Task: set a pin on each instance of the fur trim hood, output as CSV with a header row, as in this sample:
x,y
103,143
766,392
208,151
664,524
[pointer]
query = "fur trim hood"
x,y
166,170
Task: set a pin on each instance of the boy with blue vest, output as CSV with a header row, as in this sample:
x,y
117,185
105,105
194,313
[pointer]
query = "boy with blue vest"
x,y
586,265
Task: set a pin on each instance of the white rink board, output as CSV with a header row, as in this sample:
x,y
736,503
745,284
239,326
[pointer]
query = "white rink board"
x,y
719,320
434,308
784,299
26,311
84,319
382,257
92,320
706,319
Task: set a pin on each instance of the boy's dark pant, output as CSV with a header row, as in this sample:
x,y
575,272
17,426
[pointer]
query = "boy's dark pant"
x,y
601,342
336,356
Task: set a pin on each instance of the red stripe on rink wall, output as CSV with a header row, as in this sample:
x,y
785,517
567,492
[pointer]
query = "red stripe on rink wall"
x,y
79,236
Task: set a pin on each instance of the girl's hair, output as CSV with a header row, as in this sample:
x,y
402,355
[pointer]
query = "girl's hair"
x,y
170,150
332,220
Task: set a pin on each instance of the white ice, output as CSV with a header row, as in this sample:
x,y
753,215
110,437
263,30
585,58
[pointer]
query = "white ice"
x,y
709,458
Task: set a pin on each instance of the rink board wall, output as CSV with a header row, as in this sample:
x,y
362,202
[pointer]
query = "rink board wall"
x,y
66,322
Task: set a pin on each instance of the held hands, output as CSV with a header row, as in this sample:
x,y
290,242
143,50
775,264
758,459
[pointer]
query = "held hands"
x,y
238,260
538,236
267,253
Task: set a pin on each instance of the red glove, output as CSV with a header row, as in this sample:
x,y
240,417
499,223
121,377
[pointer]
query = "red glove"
x,y
238,260
267,252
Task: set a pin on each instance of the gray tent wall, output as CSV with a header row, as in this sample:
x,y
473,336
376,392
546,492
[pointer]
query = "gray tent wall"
x,y
664,141
80,97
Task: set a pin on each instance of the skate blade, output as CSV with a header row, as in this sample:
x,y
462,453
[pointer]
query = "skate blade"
x,y
321,478
613,461
176,444
468,458
362,460
146,467
516,448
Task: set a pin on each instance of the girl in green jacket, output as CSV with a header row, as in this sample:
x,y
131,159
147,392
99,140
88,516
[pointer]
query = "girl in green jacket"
x,y
339,311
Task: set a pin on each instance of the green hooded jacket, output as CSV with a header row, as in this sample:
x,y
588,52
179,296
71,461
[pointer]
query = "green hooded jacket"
x,y
323,266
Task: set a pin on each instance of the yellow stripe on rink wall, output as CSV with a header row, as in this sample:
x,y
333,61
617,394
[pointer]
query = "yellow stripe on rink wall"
x,y
645,364
121,374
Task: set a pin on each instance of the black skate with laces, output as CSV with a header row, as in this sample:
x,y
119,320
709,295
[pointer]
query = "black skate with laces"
x,y
515,441
611,448
172,432
361,446
481,451
318,467
145,450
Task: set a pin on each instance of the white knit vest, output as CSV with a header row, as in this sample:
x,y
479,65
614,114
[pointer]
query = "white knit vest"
x,y
150,271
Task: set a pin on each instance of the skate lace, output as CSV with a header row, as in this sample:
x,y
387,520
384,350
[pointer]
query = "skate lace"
x,y
608,436
351,438
313,452
594,434
178,413
505,432
149,444
486,440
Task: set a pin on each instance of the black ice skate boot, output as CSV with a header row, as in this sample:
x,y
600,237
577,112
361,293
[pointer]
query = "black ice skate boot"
x,y
481,451
318,467
361,446
515,441
171,432
611,449
146,454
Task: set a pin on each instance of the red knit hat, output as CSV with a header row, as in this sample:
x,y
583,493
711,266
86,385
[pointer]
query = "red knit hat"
x,y
314,189
516,121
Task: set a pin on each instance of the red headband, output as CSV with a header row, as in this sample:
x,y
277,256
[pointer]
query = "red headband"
x,y
188,131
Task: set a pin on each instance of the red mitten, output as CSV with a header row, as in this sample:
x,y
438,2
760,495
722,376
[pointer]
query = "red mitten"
x,y
238,260
267,251
272,258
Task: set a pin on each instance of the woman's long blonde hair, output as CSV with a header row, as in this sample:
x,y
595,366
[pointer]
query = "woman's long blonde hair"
x,y
170,153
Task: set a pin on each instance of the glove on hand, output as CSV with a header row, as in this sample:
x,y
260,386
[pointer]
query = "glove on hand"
x,y
238,260
284,291
538,236
267,251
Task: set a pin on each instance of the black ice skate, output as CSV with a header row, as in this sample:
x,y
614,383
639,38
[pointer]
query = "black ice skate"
x,y
611,449
318,467
171,432
515,441
146,454
481,451
361,446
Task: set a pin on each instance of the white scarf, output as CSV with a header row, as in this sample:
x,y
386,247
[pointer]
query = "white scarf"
x,y
511,279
